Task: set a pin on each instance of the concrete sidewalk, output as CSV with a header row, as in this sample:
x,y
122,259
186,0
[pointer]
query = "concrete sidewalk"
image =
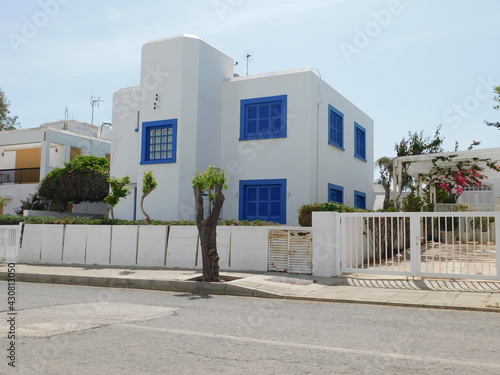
x,y
367,289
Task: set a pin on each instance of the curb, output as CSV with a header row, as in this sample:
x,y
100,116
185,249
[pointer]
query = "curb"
x,y
197,287
192,287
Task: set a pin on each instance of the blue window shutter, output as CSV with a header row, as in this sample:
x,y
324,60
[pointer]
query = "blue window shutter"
x,y
359,142
263,200
335,127
359,199
262,118
335,193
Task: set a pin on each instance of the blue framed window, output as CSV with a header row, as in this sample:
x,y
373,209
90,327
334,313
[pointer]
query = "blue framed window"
x,y
335,127
159,142
263,118
359,142
359,199
335,193
263,200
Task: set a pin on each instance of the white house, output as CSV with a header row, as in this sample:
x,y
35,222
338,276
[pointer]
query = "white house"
x,y
285,138
28,155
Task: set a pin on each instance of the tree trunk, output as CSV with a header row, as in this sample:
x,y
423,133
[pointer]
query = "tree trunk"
x,y
387,197
210,257
147,217
207,228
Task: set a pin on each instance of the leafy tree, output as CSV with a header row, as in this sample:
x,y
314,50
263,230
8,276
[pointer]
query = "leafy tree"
x,y
417,144
148,185
211,182
84,179
119,189
497,99
6,122
384,164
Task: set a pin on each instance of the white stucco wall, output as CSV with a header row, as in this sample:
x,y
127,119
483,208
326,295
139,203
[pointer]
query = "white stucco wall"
x,y
184,78
305,160
180,79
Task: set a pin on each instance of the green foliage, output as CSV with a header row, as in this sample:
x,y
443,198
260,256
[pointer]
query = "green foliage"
x,y
417,144
241,223
68,220
6,122
482,223
84,179
306,210
412,203
11,219
148,183
119,189
496,98
463,207
209,179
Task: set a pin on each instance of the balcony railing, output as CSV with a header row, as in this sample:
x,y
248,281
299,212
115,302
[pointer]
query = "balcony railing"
x,y
19,176
450,207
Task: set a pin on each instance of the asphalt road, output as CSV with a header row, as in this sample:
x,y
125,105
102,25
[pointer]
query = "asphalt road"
x,y
85,330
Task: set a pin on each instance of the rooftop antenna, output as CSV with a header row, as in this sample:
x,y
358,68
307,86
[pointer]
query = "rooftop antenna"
x,y
94,102
66,115
248,58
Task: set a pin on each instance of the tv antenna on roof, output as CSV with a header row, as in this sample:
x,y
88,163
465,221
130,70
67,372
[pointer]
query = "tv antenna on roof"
x,y
249,56
94,102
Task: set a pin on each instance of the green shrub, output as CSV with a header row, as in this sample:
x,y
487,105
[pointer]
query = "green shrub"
x,y
11,219
16,219
305,211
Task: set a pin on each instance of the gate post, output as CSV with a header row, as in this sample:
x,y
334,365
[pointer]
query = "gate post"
x,y
415,247
326,244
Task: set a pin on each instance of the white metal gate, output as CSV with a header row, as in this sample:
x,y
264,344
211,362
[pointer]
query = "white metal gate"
x,y
290,251
452,245
9,242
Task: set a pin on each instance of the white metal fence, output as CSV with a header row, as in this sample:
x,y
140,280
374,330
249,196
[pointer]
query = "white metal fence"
x,y
10,236
453,245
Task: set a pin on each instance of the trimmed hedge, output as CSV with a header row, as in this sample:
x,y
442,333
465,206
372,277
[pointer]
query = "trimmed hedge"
x,y
305,211
16,219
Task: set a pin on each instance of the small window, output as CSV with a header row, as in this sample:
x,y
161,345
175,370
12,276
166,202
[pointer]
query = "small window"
x,y
335,127
74,152
359,142
263,118
359,200
159,142
263,200
335,193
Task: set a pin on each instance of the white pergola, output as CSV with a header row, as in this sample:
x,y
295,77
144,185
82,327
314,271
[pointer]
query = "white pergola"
x,y
421,165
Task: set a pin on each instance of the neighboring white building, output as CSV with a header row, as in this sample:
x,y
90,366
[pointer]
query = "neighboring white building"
x,y
284,138
28,155
483,198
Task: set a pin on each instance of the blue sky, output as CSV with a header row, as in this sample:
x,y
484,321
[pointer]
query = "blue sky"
x,y
409,64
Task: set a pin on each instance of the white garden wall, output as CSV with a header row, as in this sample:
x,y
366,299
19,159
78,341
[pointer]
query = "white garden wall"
x,y
239,248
